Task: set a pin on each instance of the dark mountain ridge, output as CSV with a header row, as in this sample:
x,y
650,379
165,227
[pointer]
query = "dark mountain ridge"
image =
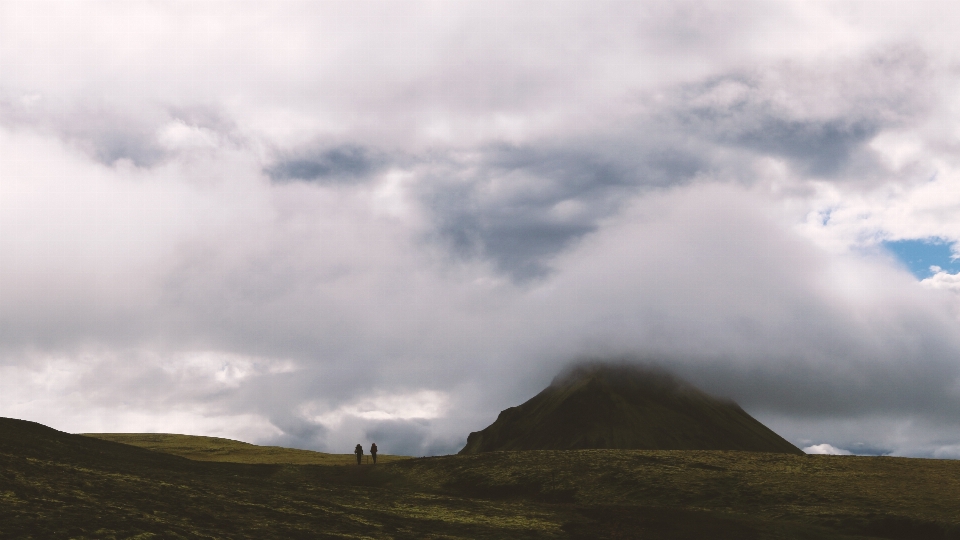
x,y
625,406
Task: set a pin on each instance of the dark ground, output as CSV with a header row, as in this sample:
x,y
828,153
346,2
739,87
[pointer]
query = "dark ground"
x,y
55,485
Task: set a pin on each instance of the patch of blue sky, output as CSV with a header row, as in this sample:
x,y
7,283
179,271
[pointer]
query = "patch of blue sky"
x,y
920,255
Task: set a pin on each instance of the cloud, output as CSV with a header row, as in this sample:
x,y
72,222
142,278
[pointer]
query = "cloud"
x,y
942,280
316,224
825,448
518,205
410,438
421,405
818,116
341,164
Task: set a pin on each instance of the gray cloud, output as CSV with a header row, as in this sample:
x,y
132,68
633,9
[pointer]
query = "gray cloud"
x,y
342,164
510,206
145,136
520,206
409,438
111,146
298,433
494,192
819,148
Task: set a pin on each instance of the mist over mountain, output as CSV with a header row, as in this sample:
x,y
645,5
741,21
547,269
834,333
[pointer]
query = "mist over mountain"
x,y
622,406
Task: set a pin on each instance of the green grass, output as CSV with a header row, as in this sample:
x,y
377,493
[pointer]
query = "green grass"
x,y
55,485
229,451
774,495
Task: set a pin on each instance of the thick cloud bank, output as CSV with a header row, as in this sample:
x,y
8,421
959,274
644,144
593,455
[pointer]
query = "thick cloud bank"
x,y
320,224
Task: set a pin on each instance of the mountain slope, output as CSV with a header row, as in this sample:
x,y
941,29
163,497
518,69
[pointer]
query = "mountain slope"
x,y
625,407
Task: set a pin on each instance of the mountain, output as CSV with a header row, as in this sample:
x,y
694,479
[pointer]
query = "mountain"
x,y
625,407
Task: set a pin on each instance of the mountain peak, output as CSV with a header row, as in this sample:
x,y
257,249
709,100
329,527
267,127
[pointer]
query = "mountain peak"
x,y
624,406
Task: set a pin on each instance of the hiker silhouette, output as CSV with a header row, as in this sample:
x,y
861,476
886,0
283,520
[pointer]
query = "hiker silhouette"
x,y
373,452
359,452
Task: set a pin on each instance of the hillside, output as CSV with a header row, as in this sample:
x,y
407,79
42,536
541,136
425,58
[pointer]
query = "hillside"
x,y
625,407
57,485
229,451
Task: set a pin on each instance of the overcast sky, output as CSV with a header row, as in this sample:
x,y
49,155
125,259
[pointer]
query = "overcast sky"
x,y
316,224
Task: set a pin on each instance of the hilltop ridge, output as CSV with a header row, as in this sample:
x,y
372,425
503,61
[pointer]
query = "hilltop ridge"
x,y
623,406
199,448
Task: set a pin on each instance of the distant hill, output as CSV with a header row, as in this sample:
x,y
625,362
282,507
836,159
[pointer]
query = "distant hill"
x,y
625,407
201,448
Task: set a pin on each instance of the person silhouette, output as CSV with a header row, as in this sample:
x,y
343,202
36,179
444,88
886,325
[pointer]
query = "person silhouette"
x,y
359,452
373,452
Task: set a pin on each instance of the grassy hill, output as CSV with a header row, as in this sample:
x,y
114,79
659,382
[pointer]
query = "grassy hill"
x,y
229,451
57,485
625,407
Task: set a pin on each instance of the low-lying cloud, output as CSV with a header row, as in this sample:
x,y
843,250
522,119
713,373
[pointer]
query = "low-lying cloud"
x,y
388,228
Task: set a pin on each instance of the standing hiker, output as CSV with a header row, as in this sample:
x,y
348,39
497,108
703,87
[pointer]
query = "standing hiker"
x,y
359,452
373,452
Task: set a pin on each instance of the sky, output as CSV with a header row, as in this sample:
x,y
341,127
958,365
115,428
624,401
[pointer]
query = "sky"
x,y
322,223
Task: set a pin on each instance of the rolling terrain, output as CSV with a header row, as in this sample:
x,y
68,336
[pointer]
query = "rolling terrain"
x,y
57,485
229,451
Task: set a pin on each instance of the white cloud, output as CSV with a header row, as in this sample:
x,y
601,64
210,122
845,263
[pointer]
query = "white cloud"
x,y
177,135
825,448
942,280
946,452
704,183
424,404
92,393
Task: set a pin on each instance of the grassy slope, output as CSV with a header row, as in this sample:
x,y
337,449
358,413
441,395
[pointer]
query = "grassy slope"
x,y
780,494
55,485
227,450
